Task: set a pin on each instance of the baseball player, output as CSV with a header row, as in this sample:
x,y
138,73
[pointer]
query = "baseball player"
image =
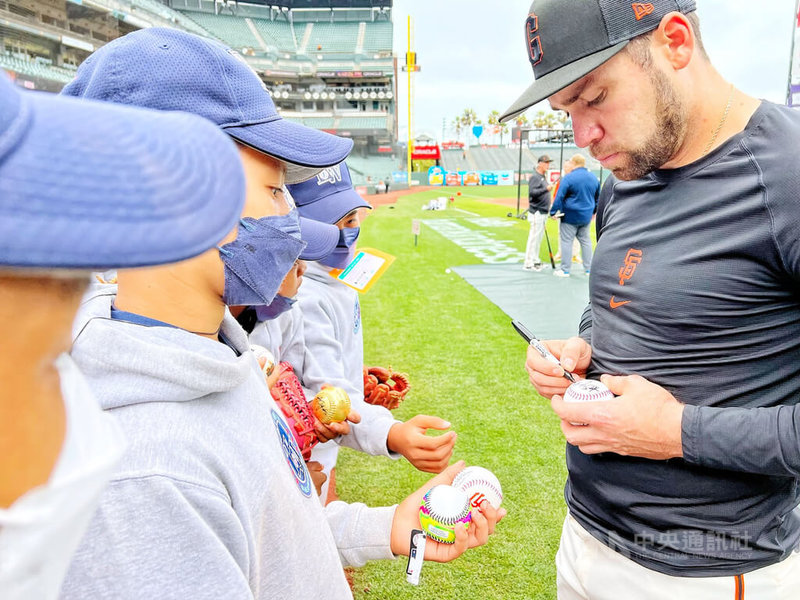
x,y
686,484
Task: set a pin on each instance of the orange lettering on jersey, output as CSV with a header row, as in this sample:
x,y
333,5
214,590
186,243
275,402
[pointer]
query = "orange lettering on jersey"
x,y
641,9
632,258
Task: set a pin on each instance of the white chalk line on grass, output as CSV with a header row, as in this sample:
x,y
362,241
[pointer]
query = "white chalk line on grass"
x,y
466,212
478,243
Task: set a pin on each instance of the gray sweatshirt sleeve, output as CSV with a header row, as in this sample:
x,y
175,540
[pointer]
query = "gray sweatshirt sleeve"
x,y
144,542
753,440
293,339
324,364
361,533
764,440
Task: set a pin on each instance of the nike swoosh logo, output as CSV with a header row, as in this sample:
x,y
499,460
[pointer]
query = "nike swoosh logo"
x,y
615,303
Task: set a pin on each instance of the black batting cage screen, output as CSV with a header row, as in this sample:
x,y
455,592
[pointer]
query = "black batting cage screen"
x,y
323,3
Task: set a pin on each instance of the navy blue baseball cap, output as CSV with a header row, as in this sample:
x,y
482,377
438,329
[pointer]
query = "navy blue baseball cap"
x,y
567,39
320,238
327,197
90,185
168,69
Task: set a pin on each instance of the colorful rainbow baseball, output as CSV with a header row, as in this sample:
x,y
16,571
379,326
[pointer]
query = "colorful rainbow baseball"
x,y
443,508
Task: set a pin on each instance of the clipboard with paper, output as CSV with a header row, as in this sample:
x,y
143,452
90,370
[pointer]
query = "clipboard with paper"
x,y
367,266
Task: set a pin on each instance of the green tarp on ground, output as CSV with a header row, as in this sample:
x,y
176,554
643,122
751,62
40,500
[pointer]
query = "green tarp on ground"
x,y
549,306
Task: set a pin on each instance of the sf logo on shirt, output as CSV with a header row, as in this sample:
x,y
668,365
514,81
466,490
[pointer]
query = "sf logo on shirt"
x,y
632,259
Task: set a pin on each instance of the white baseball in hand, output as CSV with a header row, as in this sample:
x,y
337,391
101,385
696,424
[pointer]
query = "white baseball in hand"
x,y
479,484
587,390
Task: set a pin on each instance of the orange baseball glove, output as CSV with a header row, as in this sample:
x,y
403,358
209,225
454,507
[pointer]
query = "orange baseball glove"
x,y
385,387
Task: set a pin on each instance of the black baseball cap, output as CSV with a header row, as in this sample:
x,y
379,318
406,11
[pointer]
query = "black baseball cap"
x,y
566,39
545,158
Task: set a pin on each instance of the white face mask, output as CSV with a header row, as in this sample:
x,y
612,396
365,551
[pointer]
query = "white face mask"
x,y
41,530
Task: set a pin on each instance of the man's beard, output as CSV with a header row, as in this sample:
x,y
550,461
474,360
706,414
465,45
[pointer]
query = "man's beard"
x,y
670,129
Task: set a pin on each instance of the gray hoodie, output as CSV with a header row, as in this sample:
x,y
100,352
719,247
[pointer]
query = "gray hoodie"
x,y
212,499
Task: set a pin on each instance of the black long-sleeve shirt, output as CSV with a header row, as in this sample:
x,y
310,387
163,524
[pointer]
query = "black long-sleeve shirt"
x,y
538,195
696,286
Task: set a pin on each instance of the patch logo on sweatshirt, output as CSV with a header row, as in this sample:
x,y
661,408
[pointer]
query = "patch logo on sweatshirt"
x,y
356,317
292,454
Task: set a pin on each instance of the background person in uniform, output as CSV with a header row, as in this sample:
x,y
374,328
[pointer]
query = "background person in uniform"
x,y
686,484
577,199
538,205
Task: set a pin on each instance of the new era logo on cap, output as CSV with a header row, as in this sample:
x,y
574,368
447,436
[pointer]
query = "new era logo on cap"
x,y
332,175
641,10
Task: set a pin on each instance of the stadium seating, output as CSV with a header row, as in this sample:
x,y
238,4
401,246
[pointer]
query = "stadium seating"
x,y
375,167
362,123
497,159
315,122
455,160
35,68
231,30
277,34
310,38
330,37
378,37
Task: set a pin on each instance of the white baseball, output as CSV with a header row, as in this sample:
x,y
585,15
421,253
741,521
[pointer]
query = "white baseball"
x,y
266,355
587,390
479,484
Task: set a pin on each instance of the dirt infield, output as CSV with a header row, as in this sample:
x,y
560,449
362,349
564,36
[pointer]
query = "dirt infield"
x,y
392,196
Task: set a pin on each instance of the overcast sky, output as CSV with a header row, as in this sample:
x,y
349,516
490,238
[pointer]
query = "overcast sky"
x,y
473,54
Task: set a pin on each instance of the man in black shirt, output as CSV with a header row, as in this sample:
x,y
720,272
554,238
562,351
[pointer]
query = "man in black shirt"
x,y
687,483
538,206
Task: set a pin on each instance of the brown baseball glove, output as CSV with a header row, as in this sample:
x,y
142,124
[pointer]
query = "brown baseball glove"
x,y
385,387
289,395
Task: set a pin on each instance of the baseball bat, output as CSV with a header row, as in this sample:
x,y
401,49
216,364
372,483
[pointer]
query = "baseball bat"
x,y
549,249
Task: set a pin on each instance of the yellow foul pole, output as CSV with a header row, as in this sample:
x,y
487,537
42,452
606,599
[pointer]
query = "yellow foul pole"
x,y
409,69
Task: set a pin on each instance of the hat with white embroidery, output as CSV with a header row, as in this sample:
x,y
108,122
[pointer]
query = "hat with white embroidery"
x,y
327,197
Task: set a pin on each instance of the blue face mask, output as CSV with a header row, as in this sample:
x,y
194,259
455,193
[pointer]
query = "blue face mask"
x,y
280,305
259,258
345,249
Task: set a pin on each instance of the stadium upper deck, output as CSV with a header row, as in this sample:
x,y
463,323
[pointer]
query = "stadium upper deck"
x,y
328,63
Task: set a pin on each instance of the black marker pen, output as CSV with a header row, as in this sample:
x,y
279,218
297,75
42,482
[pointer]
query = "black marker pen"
x,y
540,347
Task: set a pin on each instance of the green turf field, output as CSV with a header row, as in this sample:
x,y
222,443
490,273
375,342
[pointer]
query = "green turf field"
x,y
466,365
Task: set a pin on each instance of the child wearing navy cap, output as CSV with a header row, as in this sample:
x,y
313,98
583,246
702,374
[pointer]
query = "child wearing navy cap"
x,y
82,186
333,336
